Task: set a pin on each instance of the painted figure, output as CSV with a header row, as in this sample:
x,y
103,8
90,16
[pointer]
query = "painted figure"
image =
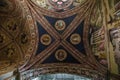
x,y
115,38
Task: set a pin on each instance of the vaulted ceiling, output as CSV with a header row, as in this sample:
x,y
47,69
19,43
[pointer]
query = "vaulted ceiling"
x,y
17,37
50,34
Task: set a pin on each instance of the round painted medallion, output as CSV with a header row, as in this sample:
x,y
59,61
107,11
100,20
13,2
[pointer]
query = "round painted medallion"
x,y
45,39
60,25
61,54
75,39
60,4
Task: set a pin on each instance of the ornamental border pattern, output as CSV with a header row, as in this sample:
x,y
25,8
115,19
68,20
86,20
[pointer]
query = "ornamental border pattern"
x,y
61,68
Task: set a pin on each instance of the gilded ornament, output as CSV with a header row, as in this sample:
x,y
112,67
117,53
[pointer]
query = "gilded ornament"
x,y
75,39
60,25
45,39
61,54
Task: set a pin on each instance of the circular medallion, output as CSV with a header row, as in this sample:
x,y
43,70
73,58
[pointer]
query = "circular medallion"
x,y
60,25
75,39
45,39
60,4
60,54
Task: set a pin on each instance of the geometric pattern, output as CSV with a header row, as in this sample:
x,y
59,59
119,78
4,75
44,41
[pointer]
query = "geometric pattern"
x,y
47,40
63,50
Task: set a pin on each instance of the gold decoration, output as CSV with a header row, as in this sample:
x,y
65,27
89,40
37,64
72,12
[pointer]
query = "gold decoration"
x,y
45,39
75,39
60,25
60,54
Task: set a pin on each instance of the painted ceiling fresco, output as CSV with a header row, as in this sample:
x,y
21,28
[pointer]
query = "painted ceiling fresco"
x,y
16,36
53,36
58,5
64,40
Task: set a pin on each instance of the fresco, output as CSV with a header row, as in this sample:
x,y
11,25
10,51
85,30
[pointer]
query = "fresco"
x,y
114,34
16,36
58,5
56,36
98,35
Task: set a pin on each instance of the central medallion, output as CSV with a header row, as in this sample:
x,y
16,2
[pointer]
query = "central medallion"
x,y
60,4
